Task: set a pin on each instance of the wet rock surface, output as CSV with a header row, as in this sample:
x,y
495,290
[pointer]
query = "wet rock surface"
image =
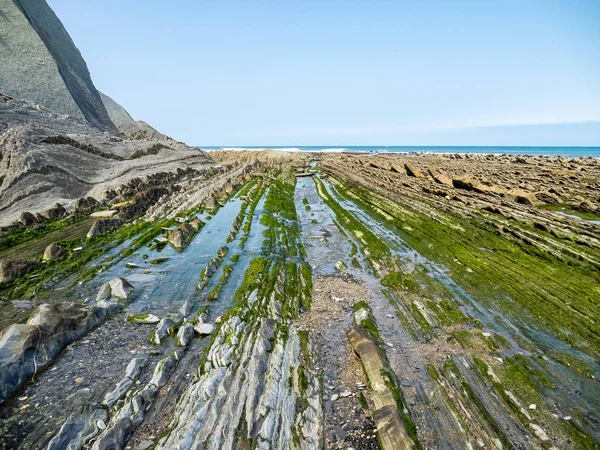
x,y
301,313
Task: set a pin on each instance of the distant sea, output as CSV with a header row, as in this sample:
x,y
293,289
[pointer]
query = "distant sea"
x,y
568,152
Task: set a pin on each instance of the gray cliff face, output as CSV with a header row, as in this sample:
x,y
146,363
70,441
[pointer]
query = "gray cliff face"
x,y
41,64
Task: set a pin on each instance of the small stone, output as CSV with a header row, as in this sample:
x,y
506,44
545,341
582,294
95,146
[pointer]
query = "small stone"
x,y
533,407
78,379
345,394
100,424
204,329
334,397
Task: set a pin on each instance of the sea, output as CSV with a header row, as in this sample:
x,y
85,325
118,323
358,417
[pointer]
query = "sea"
x,y
567,152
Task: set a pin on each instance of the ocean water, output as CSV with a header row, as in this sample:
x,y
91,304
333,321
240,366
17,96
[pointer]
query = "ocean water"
x,y
567,152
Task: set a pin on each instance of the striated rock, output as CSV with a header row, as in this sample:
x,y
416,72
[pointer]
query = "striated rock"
x,y
132,372
26,348
391,432
52,252
10,269
524,197
79,427
42,64
126,124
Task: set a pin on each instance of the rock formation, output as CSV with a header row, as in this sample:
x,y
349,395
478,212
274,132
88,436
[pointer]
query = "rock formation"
x,y
41,64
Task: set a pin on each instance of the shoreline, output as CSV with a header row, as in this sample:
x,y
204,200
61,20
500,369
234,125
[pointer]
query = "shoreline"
x,y
423,151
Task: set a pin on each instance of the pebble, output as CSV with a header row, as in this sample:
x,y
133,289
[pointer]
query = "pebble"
x,y
100,424
334,397
533,406
345,394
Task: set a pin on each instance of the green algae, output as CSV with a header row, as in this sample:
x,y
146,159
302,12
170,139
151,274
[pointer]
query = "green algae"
x,y
158,261
500,268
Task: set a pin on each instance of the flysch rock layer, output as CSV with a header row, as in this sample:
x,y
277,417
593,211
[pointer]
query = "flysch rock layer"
x,y
249,388
47,158
41,64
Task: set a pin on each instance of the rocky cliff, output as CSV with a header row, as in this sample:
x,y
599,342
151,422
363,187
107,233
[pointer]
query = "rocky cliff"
x,y
41,64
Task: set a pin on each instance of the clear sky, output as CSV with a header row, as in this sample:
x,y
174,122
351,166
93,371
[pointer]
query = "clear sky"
x,y
319,72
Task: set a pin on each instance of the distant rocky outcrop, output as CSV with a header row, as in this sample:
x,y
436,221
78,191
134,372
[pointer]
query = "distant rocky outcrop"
x,y
41,64
126,124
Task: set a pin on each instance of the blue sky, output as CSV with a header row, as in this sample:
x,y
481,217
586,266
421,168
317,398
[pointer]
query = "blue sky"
x,y
348,72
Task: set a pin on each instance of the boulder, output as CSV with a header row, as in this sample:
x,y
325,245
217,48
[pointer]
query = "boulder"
x,y
186,308
177,239
103,225
204,329
185,335
196,224
103,293
11,269
120,288
27,219
412,171
210,204
56,212
163,329
181,236
524,197
439,177
223,251
53,251
85,204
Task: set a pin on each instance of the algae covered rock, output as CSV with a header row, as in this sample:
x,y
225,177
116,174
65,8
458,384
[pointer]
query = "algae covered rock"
x,y
143,318
52,252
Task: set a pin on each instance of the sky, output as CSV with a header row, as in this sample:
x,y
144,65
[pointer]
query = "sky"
x,y
323,72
